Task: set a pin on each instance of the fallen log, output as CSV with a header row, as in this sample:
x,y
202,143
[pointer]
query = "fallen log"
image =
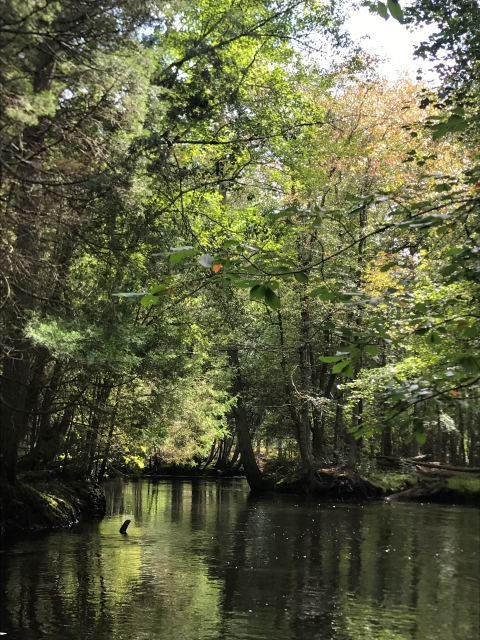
x,y
447,467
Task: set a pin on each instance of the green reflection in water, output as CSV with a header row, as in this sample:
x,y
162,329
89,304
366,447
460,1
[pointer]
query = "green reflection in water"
x,y
204,560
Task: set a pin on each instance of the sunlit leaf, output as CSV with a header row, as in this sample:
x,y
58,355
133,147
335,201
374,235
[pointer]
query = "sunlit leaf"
x,y
148,300
340,366
158,289
178,256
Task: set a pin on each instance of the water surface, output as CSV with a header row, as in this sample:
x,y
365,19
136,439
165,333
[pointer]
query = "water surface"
x,y
204,561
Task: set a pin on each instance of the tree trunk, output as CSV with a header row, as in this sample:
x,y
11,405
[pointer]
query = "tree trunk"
x,y
252,472
286,383
318,432
304,433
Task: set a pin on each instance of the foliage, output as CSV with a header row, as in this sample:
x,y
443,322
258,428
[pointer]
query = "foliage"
x,y
183,181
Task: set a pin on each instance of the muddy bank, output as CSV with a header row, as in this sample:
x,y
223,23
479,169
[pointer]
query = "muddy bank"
x,y
42,501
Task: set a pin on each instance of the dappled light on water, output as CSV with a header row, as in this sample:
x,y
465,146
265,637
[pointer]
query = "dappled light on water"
x,y
204,560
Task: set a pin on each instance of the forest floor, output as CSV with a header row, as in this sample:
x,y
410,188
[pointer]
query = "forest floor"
x,y
42,500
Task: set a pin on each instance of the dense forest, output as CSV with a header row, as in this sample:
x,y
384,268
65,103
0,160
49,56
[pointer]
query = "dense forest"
x,y
227,241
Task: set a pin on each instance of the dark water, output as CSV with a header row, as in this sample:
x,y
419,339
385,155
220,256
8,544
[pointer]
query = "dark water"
x,y
203,561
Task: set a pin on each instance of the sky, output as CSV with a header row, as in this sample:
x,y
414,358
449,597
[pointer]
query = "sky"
x,y
392,40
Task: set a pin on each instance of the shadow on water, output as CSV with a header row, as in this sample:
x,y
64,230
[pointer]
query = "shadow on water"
x,y
206,560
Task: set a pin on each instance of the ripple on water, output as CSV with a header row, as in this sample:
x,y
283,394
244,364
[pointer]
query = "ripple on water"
x,y
203,561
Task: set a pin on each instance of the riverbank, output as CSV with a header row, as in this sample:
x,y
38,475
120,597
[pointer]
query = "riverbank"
x,y
42,501
345,484
457,489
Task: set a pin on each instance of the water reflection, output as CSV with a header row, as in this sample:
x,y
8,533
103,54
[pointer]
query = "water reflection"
x,y
204,560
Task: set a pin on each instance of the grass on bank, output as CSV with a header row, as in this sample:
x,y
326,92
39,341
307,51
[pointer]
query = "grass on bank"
x,y
464,484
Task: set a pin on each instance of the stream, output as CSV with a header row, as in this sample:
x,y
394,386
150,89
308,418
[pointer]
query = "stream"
x,y
204,560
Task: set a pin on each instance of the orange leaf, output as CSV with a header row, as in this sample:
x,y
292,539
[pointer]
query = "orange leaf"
x,y
452,392
216,268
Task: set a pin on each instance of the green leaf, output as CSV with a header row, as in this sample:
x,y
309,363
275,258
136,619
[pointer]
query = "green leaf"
x,y
330,358
454,124
178,256
341,366
288,212
147,300
372,349
158,288
353,213
388,266
395,9
258,292
301,277
323,293
382,10
470,364
448,270
226,244
206,260
273,285
377,7
349,371
271,298
245,284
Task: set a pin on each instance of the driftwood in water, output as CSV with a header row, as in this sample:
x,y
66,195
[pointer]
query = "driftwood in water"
x,y
124,527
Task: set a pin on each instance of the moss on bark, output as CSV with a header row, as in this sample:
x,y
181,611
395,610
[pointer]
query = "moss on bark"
x,y
43,501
